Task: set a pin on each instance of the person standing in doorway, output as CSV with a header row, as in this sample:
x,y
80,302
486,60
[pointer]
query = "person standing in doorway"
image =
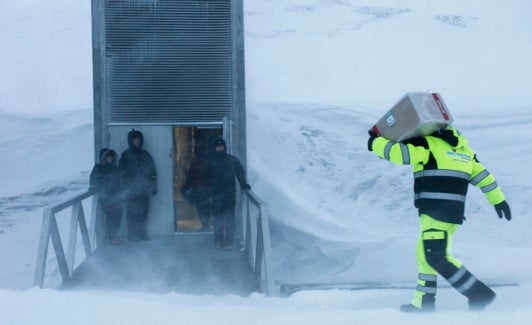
x,y
444,165
220,172
140,183
106,178
196,188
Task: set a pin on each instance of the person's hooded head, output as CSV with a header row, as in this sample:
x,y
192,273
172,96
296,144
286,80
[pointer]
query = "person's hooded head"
x,y
135,139
219,146
107,156
452,136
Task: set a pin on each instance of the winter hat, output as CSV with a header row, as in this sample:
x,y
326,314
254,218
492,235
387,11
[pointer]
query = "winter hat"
x,y
102,154
219,141
134,134
105,152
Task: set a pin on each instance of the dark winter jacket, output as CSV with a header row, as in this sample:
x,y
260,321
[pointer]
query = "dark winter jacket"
x,y
196,188
220,172
106,178
138,168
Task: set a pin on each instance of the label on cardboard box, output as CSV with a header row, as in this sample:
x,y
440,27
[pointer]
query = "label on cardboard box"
x,y
390,119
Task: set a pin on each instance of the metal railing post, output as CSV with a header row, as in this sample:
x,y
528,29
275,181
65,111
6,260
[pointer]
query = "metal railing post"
x,y
84,232
50,230
259,249
58,249
247,236
94,223
42,252
267,253
258,243
71,251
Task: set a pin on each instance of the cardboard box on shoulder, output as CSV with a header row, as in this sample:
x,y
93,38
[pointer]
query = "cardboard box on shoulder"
x,y
415,114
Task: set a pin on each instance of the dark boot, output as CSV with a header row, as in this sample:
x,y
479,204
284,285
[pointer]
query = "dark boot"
x,y
132,231
413,309
427,305
480,296
143,233
205,227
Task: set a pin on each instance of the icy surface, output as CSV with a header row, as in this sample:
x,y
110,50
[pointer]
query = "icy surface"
x,y
318,74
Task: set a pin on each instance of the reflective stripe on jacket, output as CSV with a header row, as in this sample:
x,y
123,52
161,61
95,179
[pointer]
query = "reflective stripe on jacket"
x,y
442,173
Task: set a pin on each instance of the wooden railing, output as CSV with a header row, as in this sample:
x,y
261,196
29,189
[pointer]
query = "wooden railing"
x,y
257,243
50,230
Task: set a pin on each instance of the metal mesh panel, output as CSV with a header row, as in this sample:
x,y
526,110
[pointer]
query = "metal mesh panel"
x,y
168,61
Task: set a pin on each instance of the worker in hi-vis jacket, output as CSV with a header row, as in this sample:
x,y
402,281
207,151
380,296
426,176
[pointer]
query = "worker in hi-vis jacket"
x,y
444,166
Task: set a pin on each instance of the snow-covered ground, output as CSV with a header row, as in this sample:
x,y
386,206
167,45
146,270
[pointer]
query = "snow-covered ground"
x,y
319,74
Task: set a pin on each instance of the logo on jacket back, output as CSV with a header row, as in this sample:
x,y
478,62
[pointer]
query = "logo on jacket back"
x,y
458,156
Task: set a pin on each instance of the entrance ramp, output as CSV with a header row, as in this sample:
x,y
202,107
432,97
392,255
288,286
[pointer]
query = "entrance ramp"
x,y
185,263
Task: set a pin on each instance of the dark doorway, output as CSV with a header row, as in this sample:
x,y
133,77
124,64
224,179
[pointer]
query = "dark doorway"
x,y
191,149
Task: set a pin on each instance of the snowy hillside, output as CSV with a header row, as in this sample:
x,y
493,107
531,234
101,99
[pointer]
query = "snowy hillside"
x,y
369,53
319,73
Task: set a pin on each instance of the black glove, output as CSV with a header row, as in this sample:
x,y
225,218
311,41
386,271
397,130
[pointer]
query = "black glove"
x,y
185,191
245,187
372,136
503,209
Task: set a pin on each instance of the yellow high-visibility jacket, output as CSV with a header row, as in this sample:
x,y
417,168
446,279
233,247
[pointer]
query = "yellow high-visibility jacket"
x,y
443,165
